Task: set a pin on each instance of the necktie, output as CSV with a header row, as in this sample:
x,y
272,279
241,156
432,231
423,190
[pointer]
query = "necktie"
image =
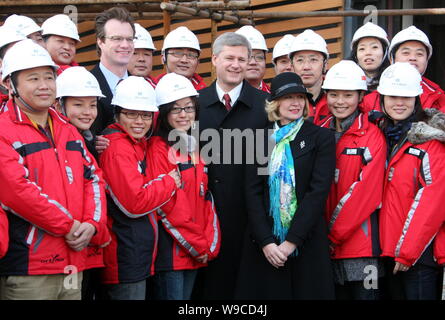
x,y
226,98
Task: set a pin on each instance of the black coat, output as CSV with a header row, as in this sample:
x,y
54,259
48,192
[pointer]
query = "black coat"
x,y
309,275
105,112
226,181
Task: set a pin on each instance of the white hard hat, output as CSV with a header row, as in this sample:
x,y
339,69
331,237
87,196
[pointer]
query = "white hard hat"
x,y
255,37
173,87
181,37
345,75
77,82
309,40
60,25
143,38
370,30
9,35
400,79
410,34
283,46
25,54
135,93
23,24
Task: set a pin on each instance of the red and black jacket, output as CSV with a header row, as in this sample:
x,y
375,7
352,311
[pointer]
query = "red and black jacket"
x,y
356,193
4,233
133,197
432,97
318,109
48,181
188,225
412,213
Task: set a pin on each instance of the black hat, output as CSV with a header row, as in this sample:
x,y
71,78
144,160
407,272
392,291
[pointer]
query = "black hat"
x,y
285,83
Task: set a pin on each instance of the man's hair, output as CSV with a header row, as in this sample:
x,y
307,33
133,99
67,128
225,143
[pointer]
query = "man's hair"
x,y
230,39
117,13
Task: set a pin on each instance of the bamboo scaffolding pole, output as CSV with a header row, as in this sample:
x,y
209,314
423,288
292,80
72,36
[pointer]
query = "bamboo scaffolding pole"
x,y
215,4
40,17
67,2
204,13
340,13
166,17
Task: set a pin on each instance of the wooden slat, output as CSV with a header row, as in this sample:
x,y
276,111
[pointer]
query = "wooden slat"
x,y
313,5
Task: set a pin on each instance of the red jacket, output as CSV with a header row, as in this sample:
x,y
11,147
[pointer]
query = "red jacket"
x,y
63,67
320,110
356,193
196,80
3,101
46,184
432,97
133,198
151,81
264,87
189,222
4,233
412,212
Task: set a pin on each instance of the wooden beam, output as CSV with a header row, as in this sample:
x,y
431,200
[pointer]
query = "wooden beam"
x,y
234,4
204,13
67,2
340,13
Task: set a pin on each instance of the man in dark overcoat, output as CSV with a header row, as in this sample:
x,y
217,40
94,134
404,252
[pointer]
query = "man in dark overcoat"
x,y
231,111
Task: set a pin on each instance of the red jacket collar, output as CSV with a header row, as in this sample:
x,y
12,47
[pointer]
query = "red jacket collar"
x,y
196,80
117,128
18,116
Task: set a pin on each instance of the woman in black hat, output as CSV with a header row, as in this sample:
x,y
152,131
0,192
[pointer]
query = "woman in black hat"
x,y
286,252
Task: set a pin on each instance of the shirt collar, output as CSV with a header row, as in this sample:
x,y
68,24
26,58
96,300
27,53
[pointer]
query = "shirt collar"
x,y
111,78
234,93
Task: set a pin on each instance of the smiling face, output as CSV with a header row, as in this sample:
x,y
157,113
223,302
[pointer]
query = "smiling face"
x,y
182,61
230,65
343,103
81,111
61,49
183,120
256,67
415,53
138,127
291,107
114,52
37,87
141,62
399,108
369,54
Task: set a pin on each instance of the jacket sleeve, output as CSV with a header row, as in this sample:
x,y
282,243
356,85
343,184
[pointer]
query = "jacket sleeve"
x,y
4,233
176,216
311,208
439,246
364,196
426,215
128,187
95,204
25,198
256,211
212,230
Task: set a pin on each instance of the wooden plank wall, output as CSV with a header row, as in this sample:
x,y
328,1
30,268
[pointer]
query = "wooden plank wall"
x,y
330,28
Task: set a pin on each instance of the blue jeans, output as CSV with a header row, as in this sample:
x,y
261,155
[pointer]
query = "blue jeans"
x,y
420,282
174,285
126,291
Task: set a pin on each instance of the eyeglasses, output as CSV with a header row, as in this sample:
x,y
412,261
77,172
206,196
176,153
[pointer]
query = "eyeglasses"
x,y
180,54
135,115
119,39
189,109
258,57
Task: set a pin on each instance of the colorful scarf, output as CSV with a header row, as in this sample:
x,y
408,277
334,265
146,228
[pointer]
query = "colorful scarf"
x,y
283,199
